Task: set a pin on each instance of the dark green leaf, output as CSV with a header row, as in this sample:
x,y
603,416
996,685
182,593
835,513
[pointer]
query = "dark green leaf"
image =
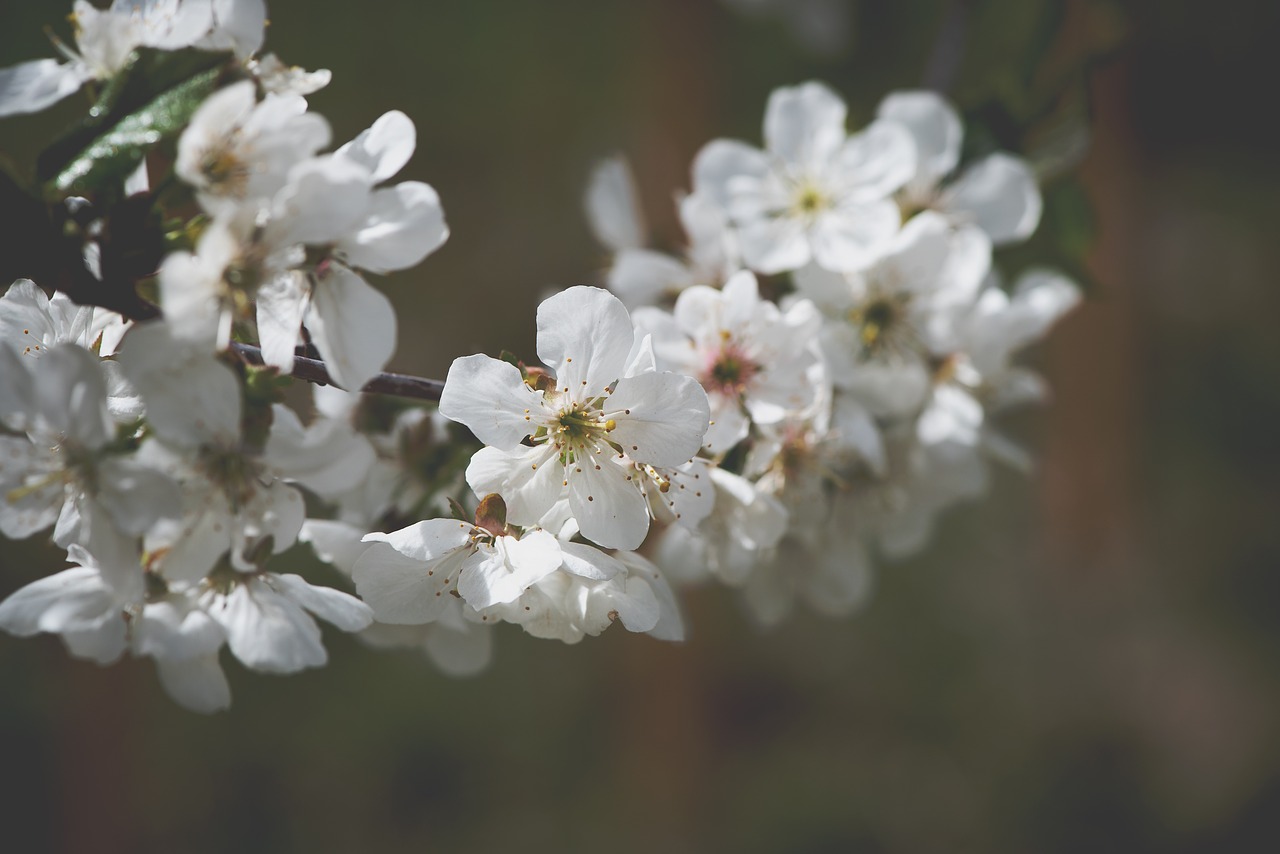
x,y
148,74
110,158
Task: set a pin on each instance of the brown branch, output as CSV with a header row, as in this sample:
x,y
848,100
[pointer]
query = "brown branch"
x,y
314,371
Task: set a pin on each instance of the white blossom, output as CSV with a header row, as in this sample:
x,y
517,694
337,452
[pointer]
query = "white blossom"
x,y
744,527
590,421
886,324
334,206
638,274
996,194
105,38
277,78
65,469
815,193
267,618
31,323
593,591
238,150
756,362
410,582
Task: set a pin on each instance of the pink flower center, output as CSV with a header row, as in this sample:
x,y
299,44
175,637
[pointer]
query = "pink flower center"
x,y
730,370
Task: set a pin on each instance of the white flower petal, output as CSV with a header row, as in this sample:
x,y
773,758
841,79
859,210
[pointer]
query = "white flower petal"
x,y
500,573
104,643
175,629
282,302
613,209
426,541
71,395
403,590
324,199
670,624
855,428
75,598
384,147
691,496
268,632
333,606
29,87
609,508
191,398
196,684
135,495
352,324
641,359
661,417
951,416
878,161
17,390
888,389
491,398
849,238
627,599
935,128
239,25
31,494
327,457
723,161
713,246
25,318
585,335
804,125
403,225
776,245
728,425
589,562
1000,194
829,290
643,277
461,651
336,543
1002,325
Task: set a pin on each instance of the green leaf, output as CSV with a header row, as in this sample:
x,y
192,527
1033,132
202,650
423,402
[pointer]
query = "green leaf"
x,y
459,512
147,74
110,158
1069,217
512,359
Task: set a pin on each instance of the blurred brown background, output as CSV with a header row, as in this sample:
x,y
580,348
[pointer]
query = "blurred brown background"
x,y
1087,661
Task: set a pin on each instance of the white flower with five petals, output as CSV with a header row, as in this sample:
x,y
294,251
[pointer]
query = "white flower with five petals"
x,y
410,579
591,419
815,193
756,362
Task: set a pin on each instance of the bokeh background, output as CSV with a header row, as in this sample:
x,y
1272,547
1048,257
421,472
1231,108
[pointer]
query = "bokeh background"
x,y
1089,660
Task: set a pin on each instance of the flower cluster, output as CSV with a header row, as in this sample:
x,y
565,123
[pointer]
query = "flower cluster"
x,y
856,403
811,381
164,464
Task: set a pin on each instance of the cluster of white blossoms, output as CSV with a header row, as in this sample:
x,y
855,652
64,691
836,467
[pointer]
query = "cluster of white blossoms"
x,y
686,428
857,402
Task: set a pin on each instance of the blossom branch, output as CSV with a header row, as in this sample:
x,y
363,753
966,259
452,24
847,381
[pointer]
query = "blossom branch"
x,y
314,371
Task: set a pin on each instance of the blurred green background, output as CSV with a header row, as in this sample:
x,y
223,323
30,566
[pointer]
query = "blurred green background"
x,y
1087,661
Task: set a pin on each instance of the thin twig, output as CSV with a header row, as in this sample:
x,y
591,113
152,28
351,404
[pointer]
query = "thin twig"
x,y
948,49
314,371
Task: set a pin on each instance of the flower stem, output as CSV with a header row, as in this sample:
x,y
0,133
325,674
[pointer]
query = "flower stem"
x,y
314,371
